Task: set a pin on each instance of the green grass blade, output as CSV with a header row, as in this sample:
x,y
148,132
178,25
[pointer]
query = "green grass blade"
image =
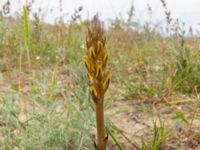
x,y
114,139
26,26
107,102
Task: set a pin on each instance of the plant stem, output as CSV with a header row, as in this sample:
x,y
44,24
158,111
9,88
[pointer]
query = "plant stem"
x,y
101,136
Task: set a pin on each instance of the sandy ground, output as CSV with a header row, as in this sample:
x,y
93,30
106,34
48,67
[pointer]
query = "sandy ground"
x,y
135,119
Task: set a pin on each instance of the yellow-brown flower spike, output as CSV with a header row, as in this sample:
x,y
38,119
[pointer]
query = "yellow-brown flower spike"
x,y
95,61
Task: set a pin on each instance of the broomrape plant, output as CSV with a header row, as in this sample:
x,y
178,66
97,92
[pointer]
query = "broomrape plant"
x,y
95,61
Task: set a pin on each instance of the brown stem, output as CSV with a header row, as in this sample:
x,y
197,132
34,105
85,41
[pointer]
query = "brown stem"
x,y
101,136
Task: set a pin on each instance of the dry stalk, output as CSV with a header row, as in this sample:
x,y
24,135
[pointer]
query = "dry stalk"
x,y
95,62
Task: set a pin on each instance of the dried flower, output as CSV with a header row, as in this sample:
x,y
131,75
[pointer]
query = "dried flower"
x,y
95,61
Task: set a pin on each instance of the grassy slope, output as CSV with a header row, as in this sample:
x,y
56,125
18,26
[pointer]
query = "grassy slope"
x,y
48,108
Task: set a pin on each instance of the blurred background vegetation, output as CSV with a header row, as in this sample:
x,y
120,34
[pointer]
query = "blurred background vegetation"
x,y
44,98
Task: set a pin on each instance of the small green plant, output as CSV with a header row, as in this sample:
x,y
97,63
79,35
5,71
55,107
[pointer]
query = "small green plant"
x,y
160,135
185,78
181,118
